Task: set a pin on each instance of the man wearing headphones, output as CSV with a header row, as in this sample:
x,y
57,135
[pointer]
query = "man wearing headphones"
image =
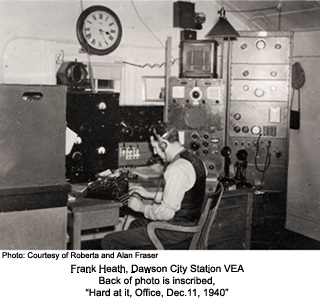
x,y
180,201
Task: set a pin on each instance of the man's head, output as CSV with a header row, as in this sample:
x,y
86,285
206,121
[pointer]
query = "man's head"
x,y
164,140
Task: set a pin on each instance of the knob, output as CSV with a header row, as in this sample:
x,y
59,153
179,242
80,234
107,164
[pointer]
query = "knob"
x,y
76,156
237,129
245,88
194,136
194,146
245,73
78,140
101,150
205,152
102,106
243,46
237,116
211,167
278,154
245,129
205,144
273,73
205,136
277,46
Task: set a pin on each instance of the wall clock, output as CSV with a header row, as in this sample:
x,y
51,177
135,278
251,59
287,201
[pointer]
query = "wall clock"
x,y
99,30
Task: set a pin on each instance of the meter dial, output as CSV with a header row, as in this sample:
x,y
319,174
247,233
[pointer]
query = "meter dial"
x,y
255,130
261,44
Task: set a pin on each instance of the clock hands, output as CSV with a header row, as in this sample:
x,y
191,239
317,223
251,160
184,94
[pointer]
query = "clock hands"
x,y
102,33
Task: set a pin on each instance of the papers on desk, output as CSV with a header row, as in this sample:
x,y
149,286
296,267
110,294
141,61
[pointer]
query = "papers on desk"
x,y
148,172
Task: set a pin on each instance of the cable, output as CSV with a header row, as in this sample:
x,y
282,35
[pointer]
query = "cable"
x,y
262,17
255,10
267,161
146,24
148,64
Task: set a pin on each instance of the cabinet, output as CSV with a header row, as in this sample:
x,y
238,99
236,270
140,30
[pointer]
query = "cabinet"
x,y
231,228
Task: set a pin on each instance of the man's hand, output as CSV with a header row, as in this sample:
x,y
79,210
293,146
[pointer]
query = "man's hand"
x,y
140,191
136,204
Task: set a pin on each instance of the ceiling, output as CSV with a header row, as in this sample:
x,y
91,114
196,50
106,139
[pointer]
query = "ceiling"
x,y
275,15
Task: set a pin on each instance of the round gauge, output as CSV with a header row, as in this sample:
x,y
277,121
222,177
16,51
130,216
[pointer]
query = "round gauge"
x,y
255,130
196,94
245,88
261,44
259,92
195,117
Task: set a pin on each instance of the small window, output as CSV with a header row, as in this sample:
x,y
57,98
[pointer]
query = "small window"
x,y
153,88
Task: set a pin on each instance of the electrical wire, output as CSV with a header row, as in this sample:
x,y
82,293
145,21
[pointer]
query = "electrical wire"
x,y
266,163
146,24
262,17
256,10
148,64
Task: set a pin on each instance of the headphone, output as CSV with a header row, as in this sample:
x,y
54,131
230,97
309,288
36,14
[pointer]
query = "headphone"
x,y
162,140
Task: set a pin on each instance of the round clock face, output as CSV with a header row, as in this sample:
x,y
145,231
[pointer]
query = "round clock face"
x,y
99,30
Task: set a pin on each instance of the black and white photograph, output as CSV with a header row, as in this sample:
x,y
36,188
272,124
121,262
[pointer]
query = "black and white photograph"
x,y
148,147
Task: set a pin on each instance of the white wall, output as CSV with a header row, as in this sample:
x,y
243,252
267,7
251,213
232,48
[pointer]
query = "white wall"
x,y
303,209
35,36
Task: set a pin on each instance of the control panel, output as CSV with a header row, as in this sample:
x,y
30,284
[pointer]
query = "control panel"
x,y
196,107
135,122
258,113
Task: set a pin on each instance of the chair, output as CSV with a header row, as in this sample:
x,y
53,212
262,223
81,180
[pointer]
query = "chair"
x,y
200,231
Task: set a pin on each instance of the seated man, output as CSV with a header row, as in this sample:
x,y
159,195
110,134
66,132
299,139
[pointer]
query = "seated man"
x,y
180,201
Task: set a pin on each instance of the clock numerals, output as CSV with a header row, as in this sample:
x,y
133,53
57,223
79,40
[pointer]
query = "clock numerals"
x,y
99,30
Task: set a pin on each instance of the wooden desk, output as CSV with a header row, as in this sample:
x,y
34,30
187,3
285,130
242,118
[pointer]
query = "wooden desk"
x,y
87,213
